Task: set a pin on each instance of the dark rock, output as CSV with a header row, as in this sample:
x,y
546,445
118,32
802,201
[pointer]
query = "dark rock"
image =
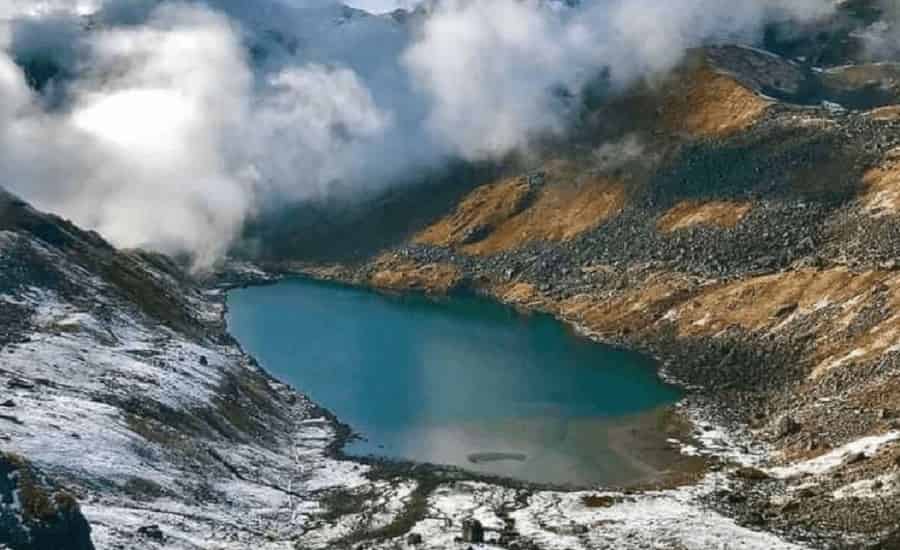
x,y
785,426
48,517
574,529
204,361
789,506
734,498
472,531
784,310
755,518
855,458
599,501
751,474
152,532
476,234
18,383
414,539
11,418
537,179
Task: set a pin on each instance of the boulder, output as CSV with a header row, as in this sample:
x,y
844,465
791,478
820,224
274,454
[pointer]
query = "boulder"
x,y
152,532
472,531
785,426
37,514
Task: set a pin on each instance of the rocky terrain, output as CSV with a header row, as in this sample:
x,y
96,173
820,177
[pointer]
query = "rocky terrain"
x,y
739,219
130,418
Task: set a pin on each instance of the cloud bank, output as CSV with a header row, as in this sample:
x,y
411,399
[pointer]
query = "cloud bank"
x,y
881,40
167,124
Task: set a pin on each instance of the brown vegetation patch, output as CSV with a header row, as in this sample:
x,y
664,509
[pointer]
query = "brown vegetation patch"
x,y
706,103
484,207
723,214
841,317
631,310
561,212
39,500
882,186
846,331
396,274
863,77
522,294
888,113
512,213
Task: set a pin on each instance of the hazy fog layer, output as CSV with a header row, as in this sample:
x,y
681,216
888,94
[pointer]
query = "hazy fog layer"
x,y
167,124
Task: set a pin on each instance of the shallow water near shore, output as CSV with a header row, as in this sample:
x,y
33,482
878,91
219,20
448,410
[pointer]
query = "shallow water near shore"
x,y
460,381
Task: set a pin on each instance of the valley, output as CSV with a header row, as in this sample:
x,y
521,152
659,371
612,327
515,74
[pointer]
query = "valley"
x,y
725,229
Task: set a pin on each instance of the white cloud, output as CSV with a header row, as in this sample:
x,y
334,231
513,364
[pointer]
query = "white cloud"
x,y
168,143
490,68
172,125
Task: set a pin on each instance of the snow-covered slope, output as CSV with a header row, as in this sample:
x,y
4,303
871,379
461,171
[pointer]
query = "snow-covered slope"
x,y
124,387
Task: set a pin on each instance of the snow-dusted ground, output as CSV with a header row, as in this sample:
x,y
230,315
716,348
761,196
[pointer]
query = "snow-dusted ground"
x,y
89,356
561,520
866,447
88,353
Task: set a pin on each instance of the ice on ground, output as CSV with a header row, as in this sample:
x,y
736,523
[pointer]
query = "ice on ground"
x,y
869,446
883,486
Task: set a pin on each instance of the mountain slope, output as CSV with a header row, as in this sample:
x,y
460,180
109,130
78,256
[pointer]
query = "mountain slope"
x,y
124,386
169,436
748,241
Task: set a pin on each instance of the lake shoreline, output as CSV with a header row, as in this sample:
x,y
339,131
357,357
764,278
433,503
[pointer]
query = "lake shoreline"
x,y
702,429
655,461
532,460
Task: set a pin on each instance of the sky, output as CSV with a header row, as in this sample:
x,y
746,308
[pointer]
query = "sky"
x,y
380,6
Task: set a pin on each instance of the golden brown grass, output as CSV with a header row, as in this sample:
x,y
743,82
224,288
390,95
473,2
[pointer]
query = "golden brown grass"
x,y
711,104
561,212
521,294
397,274
510,213
843,295
887,113
631,310
881,195
486,206
837,300
723,214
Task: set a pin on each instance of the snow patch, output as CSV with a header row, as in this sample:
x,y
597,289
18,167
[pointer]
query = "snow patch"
x,y
869,446
883,486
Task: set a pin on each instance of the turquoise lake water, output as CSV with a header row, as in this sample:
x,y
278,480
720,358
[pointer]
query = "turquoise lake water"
x,y
461,381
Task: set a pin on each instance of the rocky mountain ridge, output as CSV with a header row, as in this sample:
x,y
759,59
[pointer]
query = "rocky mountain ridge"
x,y
746,240
131,408
737,218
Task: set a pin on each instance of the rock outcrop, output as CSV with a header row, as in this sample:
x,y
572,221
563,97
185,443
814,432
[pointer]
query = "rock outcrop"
x,y
35,513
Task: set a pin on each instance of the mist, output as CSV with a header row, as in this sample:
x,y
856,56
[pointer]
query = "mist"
x,y
881,40
168,124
